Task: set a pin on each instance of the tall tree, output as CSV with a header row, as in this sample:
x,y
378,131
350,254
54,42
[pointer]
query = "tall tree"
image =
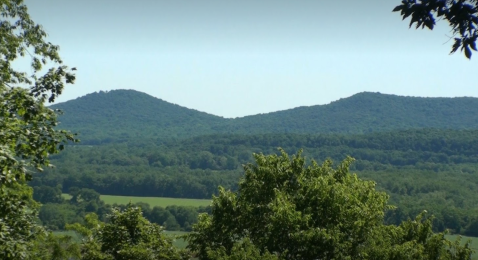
x,y
294,211
461,15
127,235
27,127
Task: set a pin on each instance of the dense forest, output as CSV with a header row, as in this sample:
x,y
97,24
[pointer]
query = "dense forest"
x,y
420,169
266,204
121,115
422,151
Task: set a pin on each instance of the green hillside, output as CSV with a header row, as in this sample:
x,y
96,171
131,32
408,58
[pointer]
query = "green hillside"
x,y
120,115
125,114
366,112
421,151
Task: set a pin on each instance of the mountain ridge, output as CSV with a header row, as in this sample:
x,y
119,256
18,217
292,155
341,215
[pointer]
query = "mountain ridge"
x,y
129,113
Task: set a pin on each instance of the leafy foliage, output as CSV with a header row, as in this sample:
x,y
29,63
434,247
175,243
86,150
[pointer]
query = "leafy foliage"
x,y
56,247
433,170
462,16
127,235
294,211
125,114
27,127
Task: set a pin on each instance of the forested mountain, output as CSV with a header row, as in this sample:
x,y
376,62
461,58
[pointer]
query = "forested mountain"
x,y
421,151
367,112
123,114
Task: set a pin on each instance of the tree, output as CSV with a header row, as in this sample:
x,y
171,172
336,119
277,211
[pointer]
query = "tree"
x,y
127,235
56,247
47,194
462,16
27,126
294,211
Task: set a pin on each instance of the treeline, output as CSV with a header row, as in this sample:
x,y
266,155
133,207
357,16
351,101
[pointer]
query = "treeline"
x,y
122,115
427,169
194,168
57,211
228,152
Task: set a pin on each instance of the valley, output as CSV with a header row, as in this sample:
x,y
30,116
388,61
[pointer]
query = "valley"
x,y
422,162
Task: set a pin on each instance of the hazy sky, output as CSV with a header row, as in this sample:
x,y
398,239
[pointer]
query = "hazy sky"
x,y
237,58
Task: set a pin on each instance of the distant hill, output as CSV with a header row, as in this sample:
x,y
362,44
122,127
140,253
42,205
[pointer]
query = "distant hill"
x,y
367,112
126,114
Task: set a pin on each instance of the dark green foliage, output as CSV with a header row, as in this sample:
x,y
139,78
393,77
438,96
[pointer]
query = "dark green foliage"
x,y
172,218
433,170
27,128
47,194
295,211
56,247
126,235
243,250
462,17
56,215
126,115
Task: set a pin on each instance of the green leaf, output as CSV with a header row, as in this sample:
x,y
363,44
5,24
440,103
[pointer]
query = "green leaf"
x,y
467,52
398,8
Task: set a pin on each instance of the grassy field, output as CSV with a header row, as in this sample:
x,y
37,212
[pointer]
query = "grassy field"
x,y
464,239
76,237
180,243
152,201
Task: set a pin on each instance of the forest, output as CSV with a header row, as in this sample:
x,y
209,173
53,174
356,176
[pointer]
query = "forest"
x,y
372,176
428,169
121,115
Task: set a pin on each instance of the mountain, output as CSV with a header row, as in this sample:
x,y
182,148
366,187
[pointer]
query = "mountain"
x,y
367,112
126,114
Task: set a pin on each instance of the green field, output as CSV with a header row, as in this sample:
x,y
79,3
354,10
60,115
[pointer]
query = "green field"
x,y
464,239
177,241
76,237
155,201
152,201
180,243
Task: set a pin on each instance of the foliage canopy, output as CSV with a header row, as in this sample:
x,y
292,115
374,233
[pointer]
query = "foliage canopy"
x,y
127,235
297,211
27,127
461,15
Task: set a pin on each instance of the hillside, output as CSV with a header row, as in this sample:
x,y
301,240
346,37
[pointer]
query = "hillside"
x,y
367,112
126,114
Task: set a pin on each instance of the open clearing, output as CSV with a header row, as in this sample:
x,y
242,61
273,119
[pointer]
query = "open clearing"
x,y
179,242
464,239
152,201
155,201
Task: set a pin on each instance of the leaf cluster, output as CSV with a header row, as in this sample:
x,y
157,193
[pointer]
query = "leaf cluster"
x,y
126,235
27,128
462,16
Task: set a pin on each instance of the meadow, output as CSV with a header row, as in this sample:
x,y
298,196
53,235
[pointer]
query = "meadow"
x,y
152,201
179,242
464,239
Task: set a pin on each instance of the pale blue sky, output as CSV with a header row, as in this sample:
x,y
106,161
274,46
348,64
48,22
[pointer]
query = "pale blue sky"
x,y
237,58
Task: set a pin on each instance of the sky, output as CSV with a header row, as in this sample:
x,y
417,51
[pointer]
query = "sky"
x,y
237,58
